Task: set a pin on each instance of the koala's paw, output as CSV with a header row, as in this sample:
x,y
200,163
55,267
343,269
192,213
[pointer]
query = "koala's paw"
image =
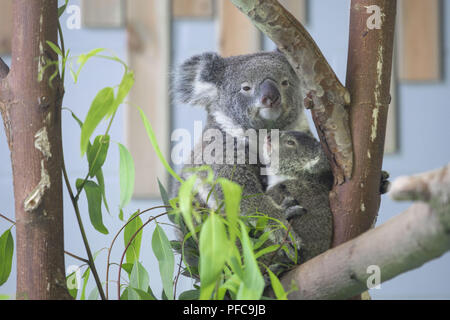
x,y
292,209
384,183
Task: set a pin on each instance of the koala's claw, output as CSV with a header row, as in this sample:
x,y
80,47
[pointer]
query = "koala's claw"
x,y
295,212
384,183
292,208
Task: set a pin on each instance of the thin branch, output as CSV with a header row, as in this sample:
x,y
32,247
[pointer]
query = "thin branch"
x,y
91,261
76,257
420,234
7,219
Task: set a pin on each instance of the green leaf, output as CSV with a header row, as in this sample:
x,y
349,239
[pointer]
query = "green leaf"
x,y
72,285
139,279
62,8
124,89
98,110
128,267
189,295
132,226
252,285
96,154
267,250
101,184
277,287
85,277
232,194
261,240
163,192
6,255
94,294
214,251
143,295
185,197
126,174
94,198
82,59
124,295
55,48
154,142
163,252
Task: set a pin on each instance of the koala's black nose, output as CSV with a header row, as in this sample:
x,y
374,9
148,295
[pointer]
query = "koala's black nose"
x,y
270,96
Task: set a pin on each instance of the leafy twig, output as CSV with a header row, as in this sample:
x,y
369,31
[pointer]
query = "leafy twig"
x,y
114,240
128,245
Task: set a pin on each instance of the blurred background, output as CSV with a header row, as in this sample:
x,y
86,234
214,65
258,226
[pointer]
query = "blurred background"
x,y
154,36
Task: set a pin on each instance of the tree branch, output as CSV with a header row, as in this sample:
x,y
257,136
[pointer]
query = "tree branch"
x,y
356,202
316,79
420,234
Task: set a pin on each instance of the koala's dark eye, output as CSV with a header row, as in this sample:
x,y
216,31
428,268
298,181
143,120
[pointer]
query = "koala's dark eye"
x,y
285,83
246,87
290,143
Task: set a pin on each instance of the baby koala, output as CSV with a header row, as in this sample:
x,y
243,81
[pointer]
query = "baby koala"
x,y
304,176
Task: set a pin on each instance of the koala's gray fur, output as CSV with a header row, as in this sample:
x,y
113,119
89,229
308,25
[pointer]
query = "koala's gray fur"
x,y
305,175
232,90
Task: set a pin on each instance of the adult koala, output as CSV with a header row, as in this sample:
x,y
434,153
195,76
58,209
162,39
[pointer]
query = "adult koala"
x,y
255,91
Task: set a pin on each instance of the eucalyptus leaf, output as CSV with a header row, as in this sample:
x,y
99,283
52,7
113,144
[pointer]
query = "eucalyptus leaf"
x,y
277,287
139,279
232,196
97,112
143,295
85,277
164,195
62,8
185,195
127,175
166,260
123,91
154,142
101,184
94,294
134,223
94,198
214,251
96,154
55,48
189,295
252,285
6,255
72,285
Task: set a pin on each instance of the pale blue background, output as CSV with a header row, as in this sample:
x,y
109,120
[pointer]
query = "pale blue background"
x,y
423,117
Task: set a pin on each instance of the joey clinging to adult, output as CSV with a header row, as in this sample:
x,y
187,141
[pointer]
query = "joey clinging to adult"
x,y
241,93
304,176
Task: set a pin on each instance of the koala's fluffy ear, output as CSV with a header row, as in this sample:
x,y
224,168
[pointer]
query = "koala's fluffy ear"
x,y
197,79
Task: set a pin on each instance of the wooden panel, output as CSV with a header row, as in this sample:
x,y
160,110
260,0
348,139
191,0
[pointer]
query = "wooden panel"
x,y
148,26
192,8
419,40
5,27
237,34
102,13
297,8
